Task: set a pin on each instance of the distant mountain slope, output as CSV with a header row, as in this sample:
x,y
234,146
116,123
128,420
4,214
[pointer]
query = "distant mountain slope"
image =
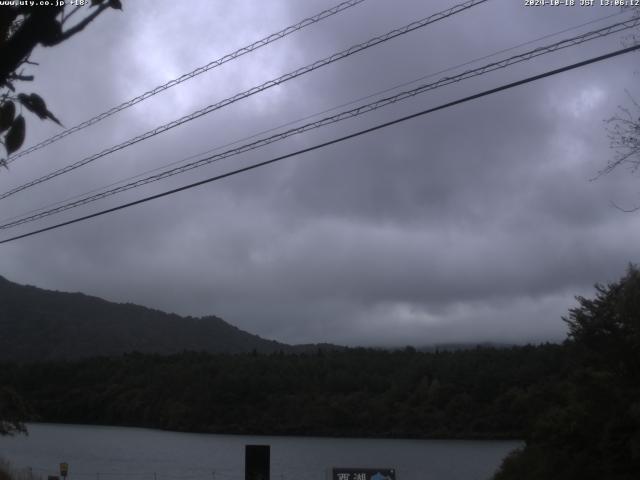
x,y
37,324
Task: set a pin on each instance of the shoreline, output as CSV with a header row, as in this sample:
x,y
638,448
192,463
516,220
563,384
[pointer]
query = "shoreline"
x,y
461,438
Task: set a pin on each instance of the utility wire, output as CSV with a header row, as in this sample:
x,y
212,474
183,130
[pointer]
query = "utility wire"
x,y
252,91
194,73
332,142
615,28
308,117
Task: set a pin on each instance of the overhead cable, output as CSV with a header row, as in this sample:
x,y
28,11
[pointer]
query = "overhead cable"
x,y
369,107
194,73
330,142
313,115
252,91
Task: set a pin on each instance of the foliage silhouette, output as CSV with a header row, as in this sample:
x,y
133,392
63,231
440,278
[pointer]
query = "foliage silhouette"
x,y
23,28
592,431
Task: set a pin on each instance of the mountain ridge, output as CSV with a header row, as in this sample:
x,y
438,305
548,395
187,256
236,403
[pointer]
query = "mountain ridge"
x,y
40,325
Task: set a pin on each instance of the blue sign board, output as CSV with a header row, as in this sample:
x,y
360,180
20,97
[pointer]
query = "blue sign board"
x,y
364,474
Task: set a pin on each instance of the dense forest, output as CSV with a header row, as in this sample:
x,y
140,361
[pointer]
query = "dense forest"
x,y
480,393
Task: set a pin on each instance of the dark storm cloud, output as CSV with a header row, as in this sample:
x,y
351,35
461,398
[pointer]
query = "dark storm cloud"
x,y
475,223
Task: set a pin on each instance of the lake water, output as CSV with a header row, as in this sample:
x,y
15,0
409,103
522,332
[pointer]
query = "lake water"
x,y
115,453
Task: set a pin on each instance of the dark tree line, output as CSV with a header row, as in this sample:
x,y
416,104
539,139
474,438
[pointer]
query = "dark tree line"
x,y
478,393
14,412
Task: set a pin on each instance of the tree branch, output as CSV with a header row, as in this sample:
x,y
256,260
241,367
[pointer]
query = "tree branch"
x,y
81,26
67,17
19,46
24,78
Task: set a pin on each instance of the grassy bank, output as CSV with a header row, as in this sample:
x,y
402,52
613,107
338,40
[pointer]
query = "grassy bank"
x,y
9,472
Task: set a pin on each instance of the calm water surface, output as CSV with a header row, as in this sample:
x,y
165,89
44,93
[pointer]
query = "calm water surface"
x,y
116,453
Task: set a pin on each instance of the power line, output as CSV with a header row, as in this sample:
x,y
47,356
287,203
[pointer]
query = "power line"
x,y
308,117
611,29
616,28
331,142
194,73
252,91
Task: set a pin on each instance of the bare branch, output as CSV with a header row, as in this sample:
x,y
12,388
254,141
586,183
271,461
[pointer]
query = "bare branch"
x,y
71,13
24,78
624,138
81,25
625,210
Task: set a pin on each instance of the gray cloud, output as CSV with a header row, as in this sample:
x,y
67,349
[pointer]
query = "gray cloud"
x,y
476,223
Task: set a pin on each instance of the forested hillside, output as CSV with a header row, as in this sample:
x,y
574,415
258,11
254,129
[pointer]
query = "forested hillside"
x,y
37,324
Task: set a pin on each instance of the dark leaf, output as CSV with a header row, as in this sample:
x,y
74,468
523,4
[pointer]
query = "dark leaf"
x,y
4,29
7,114
49,32
53,117
15,136
36,104
117,4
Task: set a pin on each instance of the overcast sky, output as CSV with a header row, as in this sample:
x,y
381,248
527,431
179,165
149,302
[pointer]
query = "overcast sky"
x,y
476,223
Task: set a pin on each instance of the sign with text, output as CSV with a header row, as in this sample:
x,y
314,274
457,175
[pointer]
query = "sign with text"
x,y
364,474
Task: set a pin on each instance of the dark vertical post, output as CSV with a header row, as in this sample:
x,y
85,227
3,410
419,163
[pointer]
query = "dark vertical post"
x,y
257,462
